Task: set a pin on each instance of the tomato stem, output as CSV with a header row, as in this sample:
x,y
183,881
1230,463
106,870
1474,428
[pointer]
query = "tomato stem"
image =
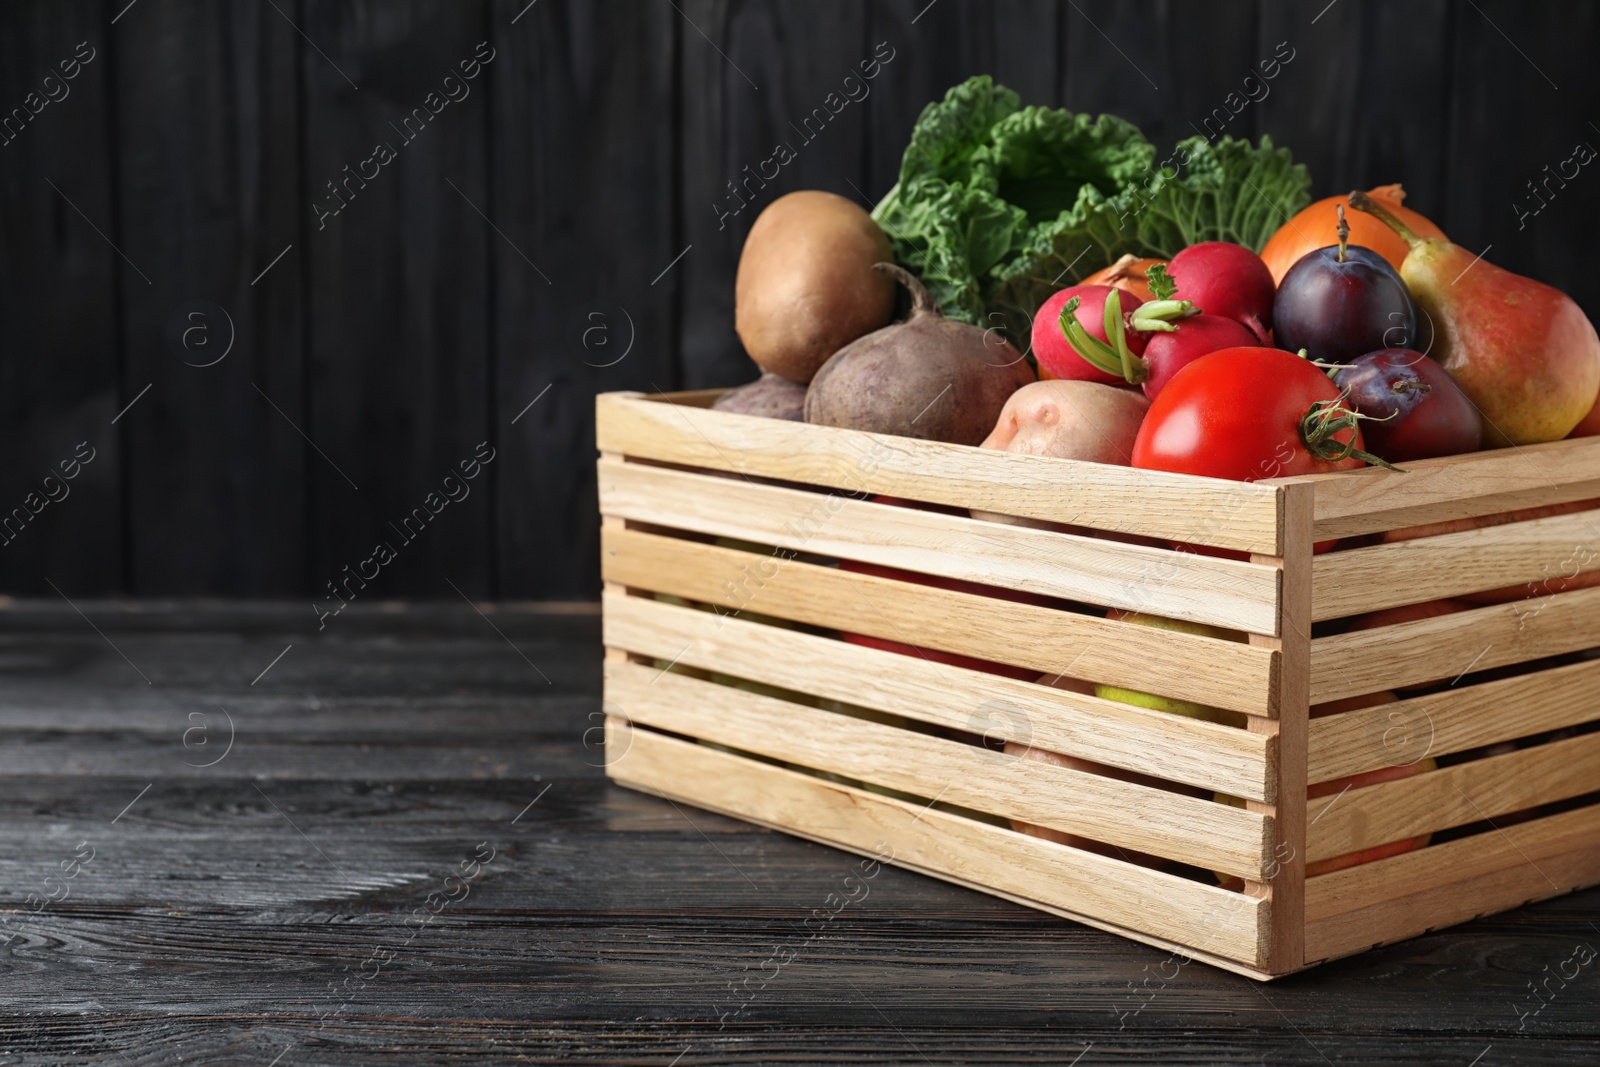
x,y
1328,418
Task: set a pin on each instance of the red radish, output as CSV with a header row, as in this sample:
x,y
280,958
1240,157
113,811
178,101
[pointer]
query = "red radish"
x,y
1166,354
1056,356
1174,334
1227,280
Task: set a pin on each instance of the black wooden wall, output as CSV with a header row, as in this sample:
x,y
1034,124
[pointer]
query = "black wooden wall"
x,y
551,233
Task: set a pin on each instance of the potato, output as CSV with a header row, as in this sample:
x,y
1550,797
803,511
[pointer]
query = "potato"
x,y
806,287
1070,420
927,377
769,396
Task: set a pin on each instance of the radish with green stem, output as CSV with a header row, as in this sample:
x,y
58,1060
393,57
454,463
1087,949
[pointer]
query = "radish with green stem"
x,y
1172,333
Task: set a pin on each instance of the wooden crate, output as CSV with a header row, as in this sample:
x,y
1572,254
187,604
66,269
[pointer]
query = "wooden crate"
x,y
729,687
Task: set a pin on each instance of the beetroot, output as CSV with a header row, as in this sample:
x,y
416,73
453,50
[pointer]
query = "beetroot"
x,y
1051,348
1227,280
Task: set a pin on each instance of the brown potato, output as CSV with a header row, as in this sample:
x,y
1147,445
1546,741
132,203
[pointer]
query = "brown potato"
x,y
806,287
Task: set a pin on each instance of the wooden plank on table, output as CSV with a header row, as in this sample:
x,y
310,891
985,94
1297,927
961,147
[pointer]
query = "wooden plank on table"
x,y
1147,903
1175,747
1236,515
1370,500
1437,724
1182,585
581,304
1223,674
215,448
741,94
1445,565
398,310
1191,830
1438,886
1453,796
59,281
1370,661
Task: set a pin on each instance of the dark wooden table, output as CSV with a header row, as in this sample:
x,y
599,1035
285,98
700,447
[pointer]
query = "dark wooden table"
x,y
408,852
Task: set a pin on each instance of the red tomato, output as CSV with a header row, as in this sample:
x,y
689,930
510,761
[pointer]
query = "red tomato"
x,y
1239,414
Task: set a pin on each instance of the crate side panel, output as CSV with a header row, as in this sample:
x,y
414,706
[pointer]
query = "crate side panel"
x,y
1453,796
1225,674
1179,585
1529,553
1163,906
1438,649
1174,825
1350,503
1236,515
1410,894
1156,743
1455,720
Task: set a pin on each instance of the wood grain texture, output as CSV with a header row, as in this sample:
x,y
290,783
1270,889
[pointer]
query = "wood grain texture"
x,y
1183,585
1167,746
611,930
1458,719
61,379
1365,501
1185,828
1529,554
206,449
1214,920
1405,895
399,294
579,303
1236,515
1453,796
1234,676
1445,647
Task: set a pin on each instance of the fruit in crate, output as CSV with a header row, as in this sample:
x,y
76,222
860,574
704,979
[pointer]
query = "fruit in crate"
x,y
928,377
1523,351
805,286
1341,301
1307,231
1413,408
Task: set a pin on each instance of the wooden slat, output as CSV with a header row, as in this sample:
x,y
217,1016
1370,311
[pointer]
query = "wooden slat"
x,y
1175,747
1145,902
1453,796
1237,515
1454,487
1185,828
1434,887
1180,585
1224,674
1455,720
1284,886
1370,661
1427,568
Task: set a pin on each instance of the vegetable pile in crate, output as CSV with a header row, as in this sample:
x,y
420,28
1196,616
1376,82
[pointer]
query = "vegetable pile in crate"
x,y
1232,637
